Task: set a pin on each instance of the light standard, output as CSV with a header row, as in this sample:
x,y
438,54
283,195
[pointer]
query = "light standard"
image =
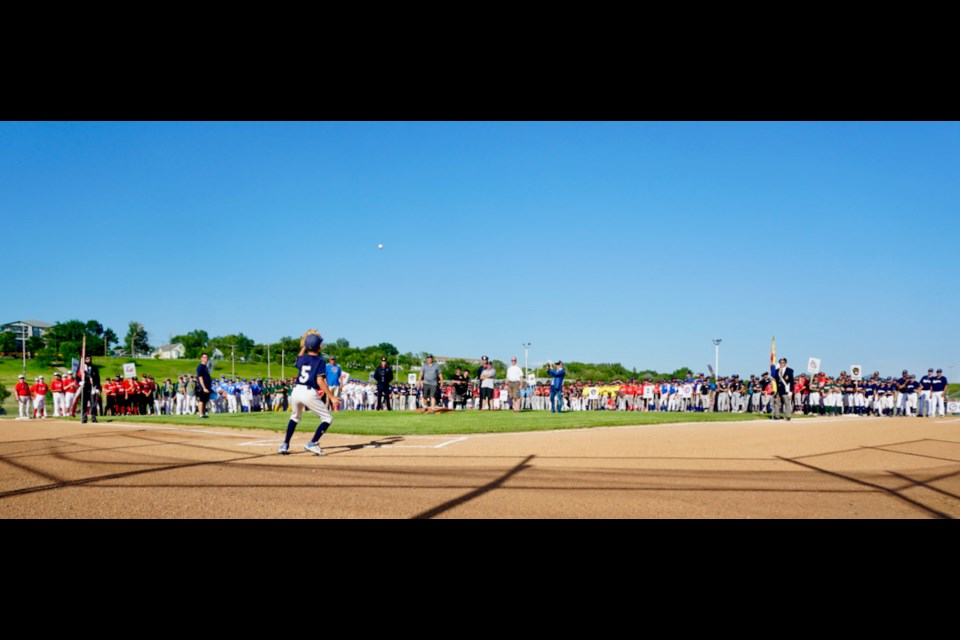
x,y
716,363
23,343
526,348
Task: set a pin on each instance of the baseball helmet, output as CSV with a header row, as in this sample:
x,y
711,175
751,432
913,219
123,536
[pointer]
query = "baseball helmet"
x,y
313,342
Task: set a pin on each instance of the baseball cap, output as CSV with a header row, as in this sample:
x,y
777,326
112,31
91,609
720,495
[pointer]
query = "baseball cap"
x,y
21,376
939,370
930,370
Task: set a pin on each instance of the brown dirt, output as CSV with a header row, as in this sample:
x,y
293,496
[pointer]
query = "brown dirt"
x,y
841,467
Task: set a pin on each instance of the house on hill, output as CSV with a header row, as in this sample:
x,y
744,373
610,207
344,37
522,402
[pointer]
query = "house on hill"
x,y
30,328
173,351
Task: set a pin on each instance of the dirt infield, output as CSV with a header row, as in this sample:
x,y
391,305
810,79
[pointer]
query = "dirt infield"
x,y
841,467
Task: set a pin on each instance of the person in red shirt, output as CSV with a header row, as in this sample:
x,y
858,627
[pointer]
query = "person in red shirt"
x,y
39,392
110,393
56,388
69,394
133,396
146,396
23,397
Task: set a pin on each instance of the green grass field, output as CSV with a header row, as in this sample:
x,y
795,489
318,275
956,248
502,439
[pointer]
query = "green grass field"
x,y
459,422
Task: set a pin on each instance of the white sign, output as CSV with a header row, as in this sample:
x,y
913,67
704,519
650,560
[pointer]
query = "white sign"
x,y
532,379
813,366
953,407
130,370
594,393
411,378
686,391
648,391
856,372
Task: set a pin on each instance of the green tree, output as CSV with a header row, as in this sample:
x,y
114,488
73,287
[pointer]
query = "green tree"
x,y
4,393
137,336
35,345
387,349
110,337
238,344
8,342
195,342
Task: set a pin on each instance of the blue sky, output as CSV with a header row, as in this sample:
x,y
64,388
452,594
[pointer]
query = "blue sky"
x,y
603,242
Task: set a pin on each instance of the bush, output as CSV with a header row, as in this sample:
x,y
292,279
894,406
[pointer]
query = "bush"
x,y
4,393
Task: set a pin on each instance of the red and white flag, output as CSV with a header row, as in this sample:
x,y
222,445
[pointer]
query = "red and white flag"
x,y
83,356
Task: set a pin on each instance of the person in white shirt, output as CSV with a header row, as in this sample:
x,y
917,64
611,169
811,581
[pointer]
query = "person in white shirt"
x,y
514,379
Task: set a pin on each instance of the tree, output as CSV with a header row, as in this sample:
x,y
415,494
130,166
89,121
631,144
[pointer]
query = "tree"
x,y
387,349
4,393
137,335
8,342
342,343
35,345
110,337
238,344
195,342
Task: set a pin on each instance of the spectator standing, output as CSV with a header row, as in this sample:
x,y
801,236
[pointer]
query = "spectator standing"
x,y
556,386
487,377
334,375
461,381
430,379
204,385
514,379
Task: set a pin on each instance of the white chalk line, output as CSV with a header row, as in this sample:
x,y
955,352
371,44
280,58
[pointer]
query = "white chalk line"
x,y
272,442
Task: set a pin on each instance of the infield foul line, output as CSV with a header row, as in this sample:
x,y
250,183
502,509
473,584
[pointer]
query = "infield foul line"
x,y
272,442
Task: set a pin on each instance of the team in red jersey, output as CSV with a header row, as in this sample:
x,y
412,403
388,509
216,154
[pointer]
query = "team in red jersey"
x,y
22,391
56,390
39,393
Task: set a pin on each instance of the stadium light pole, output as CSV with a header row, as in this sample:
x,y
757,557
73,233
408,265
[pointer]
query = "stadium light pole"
x,y
526,348
268,361
23,343
716,362
233,361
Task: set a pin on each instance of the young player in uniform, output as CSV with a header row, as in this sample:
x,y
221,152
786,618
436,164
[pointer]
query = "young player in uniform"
x,y
937,389
39,392
305,395
56,389
23,397
69,394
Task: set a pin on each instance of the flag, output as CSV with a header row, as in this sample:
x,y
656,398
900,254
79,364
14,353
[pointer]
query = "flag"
x,y
75,366
773,350
83,356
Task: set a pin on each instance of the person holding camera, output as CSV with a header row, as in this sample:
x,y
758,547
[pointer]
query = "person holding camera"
x,y
556,386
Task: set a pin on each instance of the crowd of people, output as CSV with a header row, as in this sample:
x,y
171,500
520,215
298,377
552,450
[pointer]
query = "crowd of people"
x,y
480,389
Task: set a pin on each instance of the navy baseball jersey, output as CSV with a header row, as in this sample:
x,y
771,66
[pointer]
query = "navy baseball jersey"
x,y
310,367
938,383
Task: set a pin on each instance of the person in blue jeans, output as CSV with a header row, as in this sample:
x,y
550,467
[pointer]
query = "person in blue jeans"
x,y
556,386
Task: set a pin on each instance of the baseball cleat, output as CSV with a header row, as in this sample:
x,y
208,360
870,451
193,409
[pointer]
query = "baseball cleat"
x,y
314,448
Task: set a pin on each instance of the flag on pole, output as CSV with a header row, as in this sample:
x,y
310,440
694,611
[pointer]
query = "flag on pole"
x,y
773,350
83,356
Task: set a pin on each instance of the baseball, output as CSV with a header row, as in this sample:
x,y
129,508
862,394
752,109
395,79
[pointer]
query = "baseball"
x,y
380,246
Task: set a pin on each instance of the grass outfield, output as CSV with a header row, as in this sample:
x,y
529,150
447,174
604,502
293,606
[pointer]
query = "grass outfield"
x,y
383,423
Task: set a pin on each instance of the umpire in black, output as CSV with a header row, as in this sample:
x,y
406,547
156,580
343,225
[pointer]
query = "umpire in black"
x,y
91,386
384,376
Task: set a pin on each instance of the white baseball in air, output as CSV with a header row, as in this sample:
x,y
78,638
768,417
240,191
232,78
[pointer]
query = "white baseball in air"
x,y
380,246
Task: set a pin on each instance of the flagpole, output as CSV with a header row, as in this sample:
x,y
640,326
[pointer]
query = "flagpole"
x,y
83,376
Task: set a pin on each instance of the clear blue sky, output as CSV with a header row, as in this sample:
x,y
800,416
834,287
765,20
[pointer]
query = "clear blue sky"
x,y
603,242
